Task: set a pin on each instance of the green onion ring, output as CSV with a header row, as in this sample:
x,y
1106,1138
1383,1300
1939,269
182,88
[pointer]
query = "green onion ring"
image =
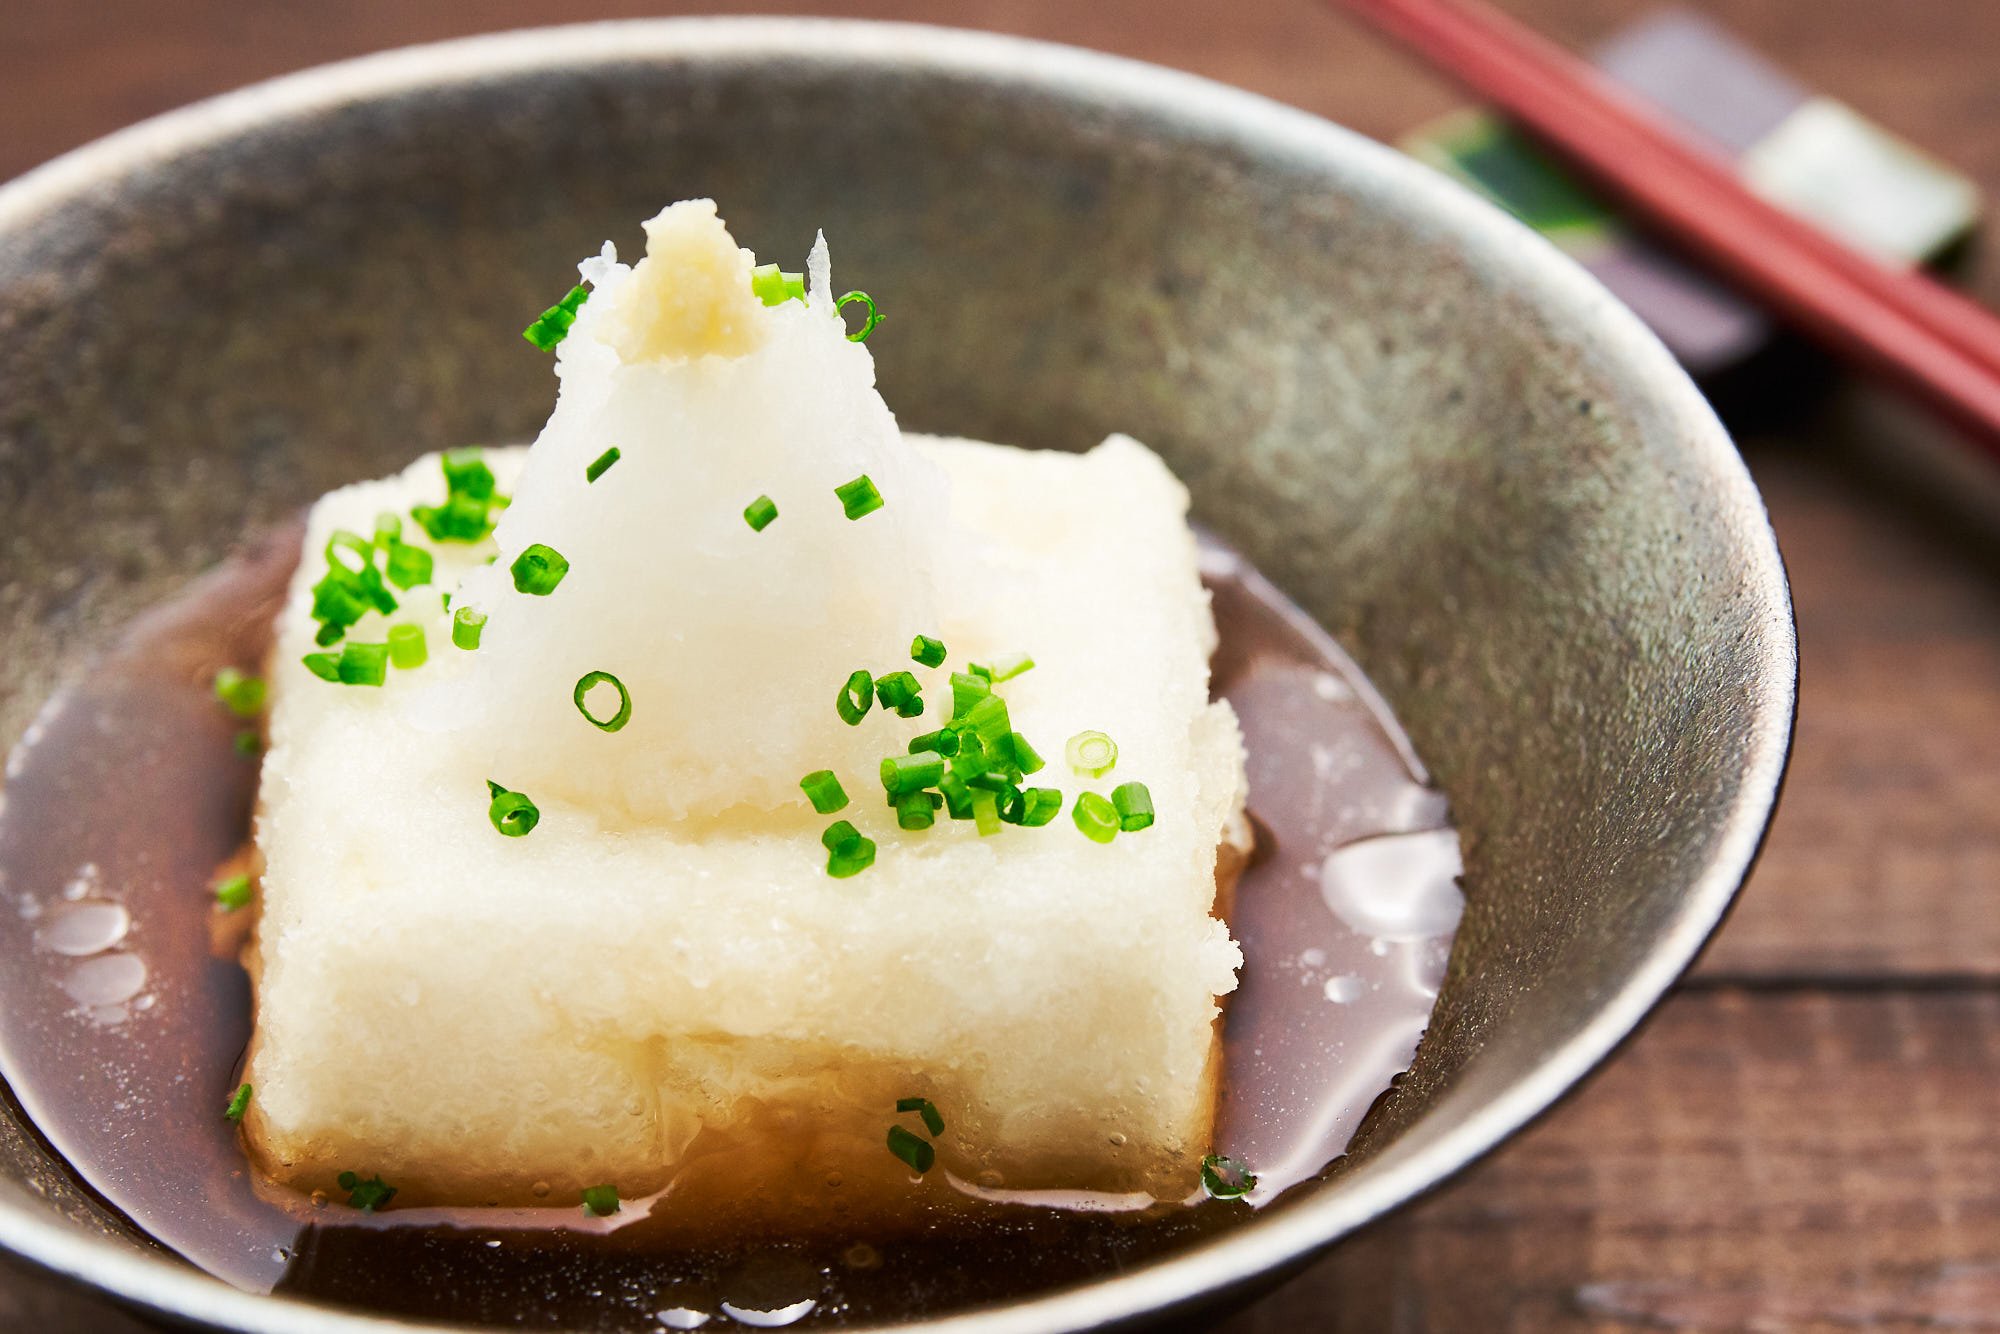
x,y
868,325
617,720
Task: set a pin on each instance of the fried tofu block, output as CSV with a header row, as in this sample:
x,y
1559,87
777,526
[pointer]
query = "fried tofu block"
x,y
660,986
472,1016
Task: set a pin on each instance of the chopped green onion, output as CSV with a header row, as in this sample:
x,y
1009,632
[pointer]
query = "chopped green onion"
x,y
466,627
232,893
470,499
552,326
511,812
248,742
928,651
914,810
330,632
944,741
240,693
851,858
824,791
338,602
1004,785
933,1120
1091,754
367,1196
1008,806
1038,806
388,528
363,664
326,666
988,719
602,465
408,565
875,316
913,1149
349,589
466,473
855,698
1026,758
966,691
839,834
900,691
406,647
971,758
1005,668
759,513
239,1103
590,680
985,812
600,1201
348,553
1134,805
859,497
912,773
343,545
1225,1178
460,519
775,288
538,570
1095,816
957,797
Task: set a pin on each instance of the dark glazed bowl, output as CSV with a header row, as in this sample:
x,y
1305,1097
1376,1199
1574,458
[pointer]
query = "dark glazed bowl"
x,y
1445,441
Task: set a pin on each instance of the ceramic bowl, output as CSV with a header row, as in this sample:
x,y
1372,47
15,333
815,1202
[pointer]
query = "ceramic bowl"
x,y
1435,432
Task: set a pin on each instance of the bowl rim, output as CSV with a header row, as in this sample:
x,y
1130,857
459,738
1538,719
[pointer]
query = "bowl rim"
x,y
163,1284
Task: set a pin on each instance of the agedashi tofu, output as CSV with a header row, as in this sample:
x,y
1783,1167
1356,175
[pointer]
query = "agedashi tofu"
x,y
730,769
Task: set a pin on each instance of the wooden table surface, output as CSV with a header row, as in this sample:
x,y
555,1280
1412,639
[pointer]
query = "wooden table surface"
x,y
1808,1134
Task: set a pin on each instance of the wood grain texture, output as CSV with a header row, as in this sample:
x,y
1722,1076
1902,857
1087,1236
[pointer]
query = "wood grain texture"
x,y
1755,1162
1804,1138
1884,860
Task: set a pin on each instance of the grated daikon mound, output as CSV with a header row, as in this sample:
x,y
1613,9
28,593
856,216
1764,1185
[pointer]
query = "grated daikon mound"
x,y
732,642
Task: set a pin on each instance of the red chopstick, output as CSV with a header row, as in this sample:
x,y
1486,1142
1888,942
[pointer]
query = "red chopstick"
x,y
1931,342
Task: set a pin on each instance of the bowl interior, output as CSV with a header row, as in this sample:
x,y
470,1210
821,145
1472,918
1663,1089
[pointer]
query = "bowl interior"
x,y
1444,442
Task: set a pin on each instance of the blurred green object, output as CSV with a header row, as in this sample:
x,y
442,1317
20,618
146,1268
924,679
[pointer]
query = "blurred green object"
x,y
1812,155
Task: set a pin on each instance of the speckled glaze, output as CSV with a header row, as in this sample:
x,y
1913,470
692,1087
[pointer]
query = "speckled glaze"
x,y
1432,430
